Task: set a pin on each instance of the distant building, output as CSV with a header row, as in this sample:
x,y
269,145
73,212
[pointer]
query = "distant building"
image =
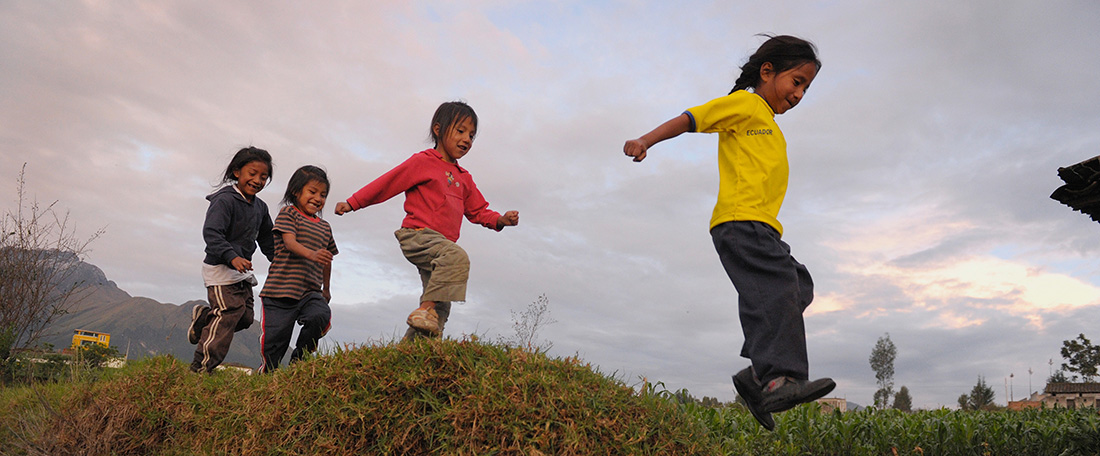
x,y
1063,395
1071,395
828,404
1035,401
82,337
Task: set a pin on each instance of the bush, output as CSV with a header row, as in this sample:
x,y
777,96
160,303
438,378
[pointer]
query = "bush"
x,y
95,356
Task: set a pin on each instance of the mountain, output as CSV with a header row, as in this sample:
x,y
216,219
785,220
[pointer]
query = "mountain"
x,y
140,327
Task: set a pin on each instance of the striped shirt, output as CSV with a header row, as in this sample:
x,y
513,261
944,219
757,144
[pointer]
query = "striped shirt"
x,y
292,276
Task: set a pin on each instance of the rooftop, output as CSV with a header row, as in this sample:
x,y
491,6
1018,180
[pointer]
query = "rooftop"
x,y
1082,189
1071,388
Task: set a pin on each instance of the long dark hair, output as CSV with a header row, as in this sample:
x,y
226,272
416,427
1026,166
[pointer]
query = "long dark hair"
x,y
783,51
245,156
299,179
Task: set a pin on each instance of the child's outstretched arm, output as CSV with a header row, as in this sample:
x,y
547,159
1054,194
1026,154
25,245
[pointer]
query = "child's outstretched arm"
x,y
392,183
510,218
477,210
675,127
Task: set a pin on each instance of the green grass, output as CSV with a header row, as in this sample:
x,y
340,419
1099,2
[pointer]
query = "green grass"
x,y
806,431
470,398
430,397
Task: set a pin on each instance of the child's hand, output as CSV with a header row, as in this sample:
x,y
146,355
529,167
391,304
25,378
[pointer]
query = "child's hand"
x,y
241,264
510,218
327,295
635,148
322,256
342,207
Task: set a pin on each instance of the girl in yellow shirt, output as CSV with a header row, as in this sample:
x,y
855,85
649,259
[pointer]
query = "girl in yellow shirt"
x,y
773,288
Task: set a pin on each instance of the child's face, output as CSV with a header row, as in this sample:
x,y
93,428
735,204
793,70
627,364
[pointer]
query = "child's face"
x,y
784,90
457,140
252,177
312,197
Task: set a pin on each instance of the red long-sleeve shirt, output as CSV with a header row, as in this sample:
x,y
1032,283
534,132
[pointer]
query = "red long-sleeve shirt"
x,y
437,195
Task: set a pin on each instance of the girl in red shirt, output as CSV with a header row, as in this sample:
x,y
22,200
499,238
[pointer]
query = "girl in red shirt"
x,y
438,193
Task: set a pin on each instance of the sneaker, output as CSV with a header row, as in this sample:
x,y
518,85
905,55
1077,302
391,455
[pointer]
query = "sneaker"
x,y
199,316
751,390
784,393
424,320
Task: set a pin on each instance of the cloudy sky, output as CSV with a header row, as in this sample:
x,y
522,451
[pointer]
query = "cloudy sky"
x,y
922,160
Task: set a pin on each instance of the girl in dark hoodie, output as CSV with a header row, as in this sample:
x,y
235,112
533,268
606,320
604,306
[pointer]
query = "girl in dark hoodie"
x,y
236,222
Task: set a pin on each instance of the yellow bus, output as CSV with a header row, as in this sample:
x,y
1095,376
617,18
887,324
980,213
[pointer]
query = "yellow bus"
x,y
82,337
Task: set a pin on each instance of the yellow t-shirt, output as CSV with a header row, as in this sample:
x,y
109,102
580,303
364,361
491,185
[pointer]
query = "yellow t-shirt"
x,y
752,158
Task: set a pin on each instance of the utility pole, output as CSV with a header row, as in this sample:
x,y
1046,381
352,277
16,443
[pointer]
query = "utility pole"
x,y
1029,390
1011,387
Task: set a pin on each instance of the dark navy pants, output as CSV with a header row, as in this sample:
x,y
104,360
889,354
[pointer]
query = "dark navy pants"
x,y
773,289
279,316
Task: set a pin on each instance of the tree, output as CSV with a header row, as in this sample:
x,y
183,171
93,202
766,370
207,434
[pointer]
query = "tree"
x,y
40,256
882,362
1082,357
684,397
1058,377
902,401
980,397
7,341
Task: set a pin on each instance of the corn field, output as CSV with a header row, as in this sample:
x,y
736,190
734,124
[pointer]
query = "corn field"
x,y
807,431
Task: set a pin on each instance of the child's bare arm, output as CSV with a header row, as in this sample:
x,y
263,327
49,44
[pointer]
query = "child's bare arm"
x,y
322,256
675,127
510,218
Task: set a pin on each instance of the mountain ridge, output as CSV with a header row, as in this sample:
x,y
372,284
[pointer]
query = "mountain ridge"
x,y
139,327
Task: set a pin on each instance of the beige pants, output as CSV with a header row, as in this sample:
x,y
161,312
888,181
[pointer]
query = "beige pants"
x,y
444,269
443,265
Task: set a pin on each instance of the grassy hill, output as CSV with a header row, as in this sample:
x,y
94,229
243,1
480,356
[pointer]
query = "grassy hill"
x,y
467,398
430,397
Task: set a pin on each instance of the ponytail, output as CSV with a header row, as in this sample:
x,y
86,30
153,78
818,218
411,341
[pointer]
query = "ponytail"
x,y
750,76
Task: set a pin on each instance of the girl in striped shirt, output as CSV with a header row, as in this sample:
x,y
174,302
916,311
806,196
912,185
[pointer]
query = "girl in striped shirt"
x,y
297,285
